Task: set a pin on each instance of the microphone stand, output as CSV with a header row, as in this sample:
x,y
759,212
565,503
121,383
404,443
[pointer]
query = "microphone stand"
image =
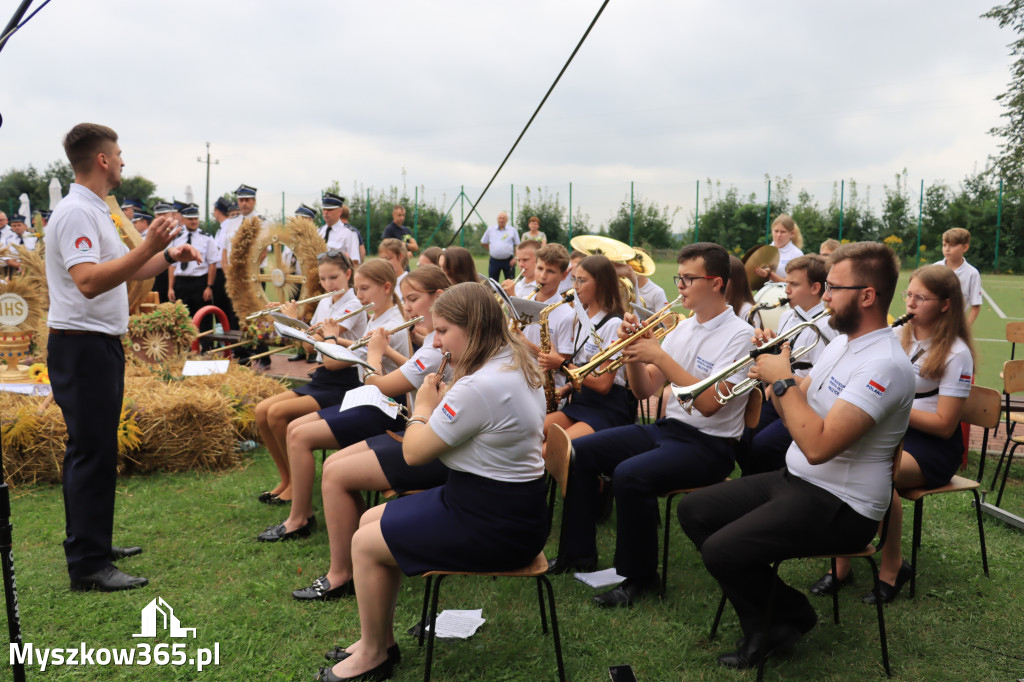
x,y
6,539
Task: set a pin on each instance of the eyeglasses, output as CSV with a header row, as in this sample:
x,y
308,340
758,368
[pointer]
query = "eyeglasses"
x,y
688,280
579,281
330,253
916,298
833,287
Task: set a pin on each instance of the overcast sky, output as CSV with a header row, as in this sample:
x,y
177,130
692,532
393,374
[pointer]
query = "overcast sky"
x,y
295,95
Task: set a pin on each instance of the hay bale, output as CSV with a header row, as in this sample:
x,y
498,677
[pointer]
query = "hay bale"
x,y
33,442
243,388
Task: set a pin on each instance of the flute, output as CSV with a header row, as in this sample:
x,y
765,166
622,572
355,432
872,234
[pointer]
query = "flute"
x,y
317,327
278,306
445,359
405,325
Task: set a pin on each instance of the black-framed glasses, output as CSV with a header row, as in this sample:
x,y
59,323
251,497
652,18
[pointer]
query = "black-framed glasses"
x,y
916,298
688,280
834,287
330,253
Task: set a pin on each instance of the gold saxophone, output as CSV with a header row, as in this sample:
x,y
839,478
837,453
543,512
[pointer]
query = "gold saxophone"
x,y
545,347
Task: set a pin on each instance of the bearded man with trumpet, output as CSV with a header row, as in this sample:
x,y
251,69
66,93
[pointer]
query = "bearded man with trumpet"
x,y
683,450
846,418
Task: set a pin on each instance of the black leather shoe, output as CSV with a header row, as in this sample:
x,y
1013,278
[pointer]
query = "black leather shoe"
x,y
754,649
626,593
278,532
888,591
384,671
321,590
311,358
298,357
124,552
339,654
560,565
108,579
272,499
827,584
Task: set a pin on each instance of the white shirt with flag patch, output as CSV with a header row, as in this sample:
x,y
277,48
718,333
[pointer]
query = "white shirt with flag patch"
x,y
589,340
392,317
560,324
874,374
425,361
955,380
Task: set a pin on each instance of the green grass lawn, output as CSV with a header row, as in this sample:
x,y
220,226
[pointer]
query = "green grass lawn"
x,y
202,558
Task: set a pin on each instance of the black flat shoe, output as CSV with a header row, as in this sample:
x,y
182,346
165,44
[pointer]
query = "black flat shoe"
x,y
267,497
339,654
384,671
888,591
321,590
124,552
311,358
108,579
827,584
628,592
754,649
560,565
278,532
297,358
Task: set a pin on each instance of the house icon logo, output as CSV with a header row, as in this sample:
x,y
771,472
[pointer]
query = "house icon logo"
x,y
159,612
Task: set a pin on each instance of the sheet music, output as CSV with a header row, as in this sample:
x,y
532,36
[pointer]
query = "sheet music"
x,y
599,579
293,333
200,368
371,396
459,624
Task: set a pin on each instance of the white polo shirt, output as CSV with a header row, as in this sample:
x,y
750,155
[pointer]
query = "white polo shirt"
x,y
398,288
653,295
970,282
560,324
502,242
423,362
354,328
207,248
493,422
392,317
525,289
703,350
602,337
955,381
873,373
798,315
786,254
343,238
82,231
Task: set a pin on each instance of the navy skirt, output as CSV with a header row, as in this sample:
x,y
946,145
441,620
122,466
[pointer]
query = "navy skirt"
x,y
401,476
471,523
601,411
939,458
328,386
359,423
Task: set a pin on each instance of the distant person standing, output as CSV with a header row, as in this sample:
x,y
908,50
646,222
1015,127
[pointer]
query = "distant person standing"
x,y
5,228
19,236
500,241
397,230
190,283
87,266
337,232
246,200
221,211
533,231
955,243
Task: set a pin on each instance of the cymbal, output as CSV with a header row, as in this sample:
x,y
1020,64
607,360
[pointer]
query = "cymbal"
x,y
762,256
613,249
642,263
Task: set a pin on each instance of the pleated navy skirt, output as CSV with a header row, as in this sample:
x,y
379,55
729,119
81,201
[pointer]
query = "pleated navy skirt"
x,y
359,423
471,523
400,475
939,458
601,411
328,386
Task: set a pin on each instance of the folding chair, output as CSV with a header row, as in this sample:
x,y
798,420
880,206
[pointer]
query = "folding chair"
x,y
559,458
1013,382
867,553
981,409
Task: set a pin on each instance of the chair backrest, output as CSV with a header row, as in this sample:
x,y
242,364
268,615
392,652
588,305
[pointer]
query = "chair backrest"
x,y
558,456
982,407
1015,335
1013,376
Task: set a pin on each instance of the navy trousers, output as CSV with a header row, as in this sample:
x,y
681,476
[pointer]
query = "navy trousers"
x,y
643,461
764,447
497,266
87,378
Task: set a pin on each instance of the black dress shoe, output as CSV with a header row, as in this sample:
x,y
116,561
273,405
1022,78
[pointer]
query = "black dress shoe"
x,y
754,649
278,532
560,565
108,579
272,499
321,590
124,552
888,591
297,357
384,671
311,358
339,654
629,591
827,584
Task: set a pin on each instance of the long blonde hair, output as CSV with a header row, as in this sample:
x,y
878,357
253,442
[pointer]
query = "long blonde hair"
x,y
380,272
943,283
474,308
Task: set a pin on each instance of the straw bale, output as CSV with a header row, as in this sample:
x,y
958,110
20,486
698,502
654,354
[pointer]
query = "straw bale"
x,y
33,442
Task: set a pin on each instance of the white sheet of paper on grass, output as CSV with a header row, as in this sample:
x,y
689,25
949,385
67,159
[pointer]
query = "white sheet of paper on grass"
x,y
458,624
599,579
201,368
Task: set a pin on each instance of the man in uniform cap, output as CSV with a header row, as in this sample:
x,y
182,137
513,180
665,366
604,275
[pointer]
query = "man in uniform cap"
x,y
338,234
304,211
190,283
160,282
18,236
246,195
141,221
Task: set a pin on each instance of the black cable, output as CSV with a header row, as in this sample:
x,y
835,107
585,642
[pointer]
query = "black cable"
x,y
527,127
16,24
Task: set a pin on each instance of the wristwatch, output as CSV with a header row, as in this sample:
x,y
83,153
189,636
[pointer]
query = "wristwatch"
x,y
780,387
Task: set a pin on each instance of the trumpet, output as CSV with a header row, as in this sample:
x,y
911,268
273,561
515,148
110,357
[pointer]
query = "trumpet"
x,y
902,320
764,305
662,322
278,306
405,325
319,326
723,394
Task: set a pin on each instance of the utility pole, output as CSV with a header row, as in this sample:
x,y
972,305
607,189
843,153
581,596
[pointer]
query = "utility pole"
x,y
208,162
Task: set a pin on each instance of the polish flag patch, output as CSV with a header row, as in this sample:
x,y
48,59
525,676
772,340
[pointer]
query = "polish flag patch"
x,y
420,367
83,244
965,378
877,385
448,411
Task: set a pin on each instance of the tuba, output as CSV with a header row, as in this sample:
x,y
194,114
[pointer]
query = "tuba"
x,y
545,347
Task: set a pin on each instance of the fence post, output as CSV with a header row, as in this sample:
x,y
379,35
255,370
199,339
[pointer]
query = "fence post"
x,y
631,213
999,222
511,204
696,220
842,188
570,211
462,215
768,214
368,220
416,214
920,212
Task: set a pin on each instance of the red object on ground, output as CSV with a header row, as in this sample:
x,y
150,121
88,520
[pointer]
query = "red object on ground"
x,y
202,313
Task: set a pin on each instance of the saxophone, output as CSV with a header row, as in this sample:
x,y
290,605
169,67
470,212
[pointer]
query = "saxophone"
x,y
545,347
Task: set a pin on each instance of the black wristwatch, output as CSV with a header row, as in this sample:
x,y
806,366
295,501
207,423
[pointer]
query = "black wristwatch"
x,y
780,387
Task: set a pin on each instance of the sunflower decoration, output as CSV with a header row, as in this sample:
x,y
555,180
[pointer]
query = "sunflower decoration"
x,y
38,373
129,435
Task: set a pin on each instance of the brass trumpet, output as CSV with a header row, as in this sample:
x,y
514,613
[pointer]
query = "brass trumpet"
x,y
405,325
764,305
278,306
662,322
319,326
723,394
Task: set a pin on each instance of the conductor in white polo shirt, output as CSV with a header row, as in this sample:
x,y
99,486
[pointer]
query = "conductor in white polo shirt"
x,y
87,266
500,241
